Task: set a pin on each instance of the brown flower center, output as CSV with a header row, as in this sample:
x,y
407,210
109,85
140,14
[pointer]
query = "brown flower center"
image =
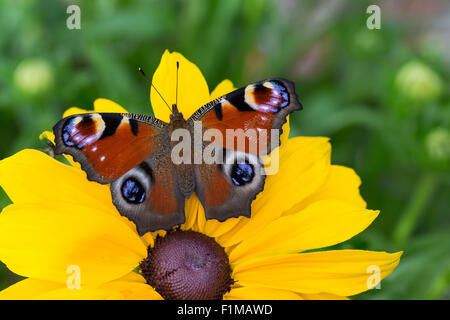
x,y
187,265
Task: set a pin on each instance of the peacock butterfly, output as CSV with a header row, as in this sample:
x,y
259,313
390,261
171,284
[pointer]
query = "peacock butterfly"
x,y
134,154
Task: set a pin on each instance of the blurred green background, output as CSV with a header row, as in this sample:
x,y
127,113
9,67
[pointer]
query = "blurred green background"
x,y
381,95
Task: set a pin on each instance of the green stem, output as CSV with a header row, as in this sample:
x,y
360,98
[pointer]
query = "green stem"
x,y
414,210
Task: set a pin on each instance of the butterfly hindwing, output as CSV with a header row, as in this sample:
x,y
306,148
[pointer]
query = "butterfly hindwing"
x,y
227,190
149,194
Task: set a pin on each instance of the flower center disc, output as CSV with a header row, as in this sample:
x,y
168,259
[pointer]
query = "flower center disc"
x,y
187,265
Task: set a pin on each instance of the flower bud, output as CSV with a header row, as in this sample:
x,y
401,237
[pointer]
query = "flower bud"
x,y
417,81
33,76
437,143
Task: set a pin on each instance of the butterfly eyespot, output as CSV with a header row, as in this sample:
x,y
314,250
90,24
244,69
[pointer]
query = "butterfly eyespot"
x,y
133,191
267,97
79,131
242,173
66,133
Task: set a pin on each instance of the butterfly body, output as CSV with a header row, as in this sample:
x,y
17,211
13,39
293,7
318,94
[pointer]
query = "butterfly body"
x,y
184,171
139,156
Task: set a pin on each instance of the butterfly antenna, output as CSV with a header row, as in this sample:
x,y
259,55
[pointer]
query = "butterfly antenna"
x,y
176,90
145,76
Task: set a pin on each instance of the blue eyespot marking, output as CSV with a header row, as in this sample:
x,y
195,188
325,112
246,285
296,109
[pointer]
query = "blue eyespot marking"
x,y
67,133
269,97
242,173
133,191
80,134
281,89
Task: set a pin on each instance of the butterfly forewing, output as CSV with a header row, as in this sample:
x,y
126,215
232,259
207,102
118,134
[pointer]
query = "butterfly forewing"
x,y
106,144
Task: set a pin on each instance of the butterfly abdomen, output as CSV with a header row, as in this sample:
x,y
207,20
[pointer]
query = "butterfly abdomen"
x,y
182,149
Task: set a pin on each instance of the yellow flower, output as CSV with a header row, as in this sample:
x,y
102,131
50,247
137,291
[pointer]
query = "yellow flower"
x,y
59,220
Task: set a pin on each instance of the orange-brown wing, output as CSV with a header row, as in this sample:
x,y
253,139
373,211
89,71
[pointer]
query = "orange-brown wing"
x,y
107,144
227,190
249,118
132,152
149,194
249,122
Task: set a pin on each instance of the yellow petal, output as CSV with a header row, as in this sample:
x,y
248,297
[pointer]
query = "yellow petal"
x,y
193,90
341,184
340,272
196,220
84,293
105,105
258,293
50,136
28,289
200,220
192,207
132,277
42,240
131,287
148,239
322,224
75,110
277,153
214,228
115,290
100,105
132,290
47,135
304,166
321,296
286,128
32,176
224,87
